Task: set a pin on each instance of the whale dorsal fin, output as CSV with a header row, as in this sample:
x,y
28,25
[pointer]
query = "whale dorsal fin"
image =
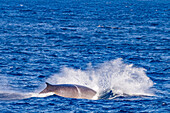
x,y
48,84
47,89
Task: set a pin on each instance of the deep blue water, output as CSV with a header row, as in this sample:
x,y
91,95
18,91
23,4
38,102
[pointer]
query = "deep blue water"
x,y
70,41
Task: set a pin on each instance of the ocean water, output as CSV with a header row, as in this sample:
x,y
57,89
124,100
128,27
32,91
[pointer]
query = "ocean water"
x,y
119,48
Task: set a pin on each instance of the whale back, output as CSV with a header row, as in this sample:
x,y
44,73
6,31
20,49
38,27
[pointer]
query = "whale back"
x,y
49,88
70,91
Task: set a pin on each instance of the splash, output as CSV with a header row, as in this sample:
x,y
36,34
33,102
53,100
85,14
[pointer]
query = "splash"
x,y
12,95
109,79
114,77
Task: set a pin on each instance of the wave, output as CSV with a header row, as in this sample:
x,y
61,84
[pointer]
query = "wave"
x,y
110,80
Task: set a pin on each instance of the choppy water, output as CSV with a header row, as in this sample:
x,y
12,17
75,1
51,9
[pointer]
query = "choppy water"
x,y
108,45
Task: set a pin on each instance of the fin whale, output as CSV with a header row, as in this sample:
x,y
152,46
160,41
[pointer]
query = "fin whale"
x,y
70,91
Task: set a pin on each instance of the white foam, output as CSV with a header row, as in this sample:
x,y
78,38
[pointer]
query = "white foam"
x,y
95,97
41,95
113,75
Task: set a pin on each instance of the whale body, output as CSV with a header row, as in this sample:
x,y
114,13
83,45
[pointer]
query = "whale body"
x,y
70,91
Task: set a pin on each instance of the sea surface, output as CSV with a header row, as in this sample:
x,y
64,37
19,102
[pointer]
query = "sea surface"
x,y
119,48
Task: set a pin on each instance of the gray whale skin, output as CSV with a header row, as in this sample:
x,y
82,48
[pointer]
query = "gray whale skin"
x,y
70,91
